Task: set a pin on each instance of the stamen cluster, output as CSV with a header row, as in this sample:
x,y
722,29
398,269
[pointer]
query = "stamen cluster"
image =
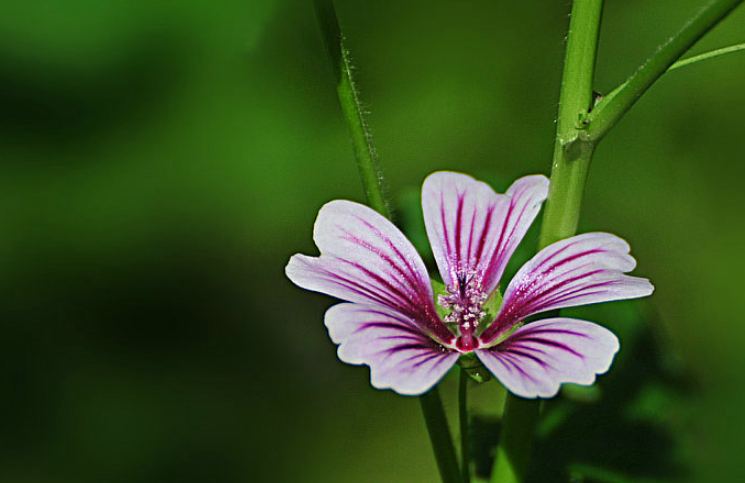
x,y
466,300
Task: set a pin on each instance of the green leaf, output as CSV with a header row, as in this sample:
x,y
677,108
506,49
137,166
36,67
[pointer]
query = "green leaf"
x,y
439,289
491,307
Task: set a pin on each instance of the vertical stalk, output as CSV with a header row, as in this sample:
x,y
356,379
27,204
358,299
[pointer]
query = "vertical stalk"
x,y
577,133
571,162
519,420
439,433
465,454
351,106
434,414
572,151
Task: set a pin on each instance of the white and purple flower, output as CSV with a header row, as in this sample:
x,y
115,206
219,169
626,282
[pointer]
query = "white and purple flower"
x,y
390,323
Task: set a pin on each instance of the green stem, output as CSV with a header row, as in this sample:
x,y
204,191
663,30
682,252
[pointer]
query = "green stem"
x,y
572,153
439,433
578,131
571,162
465,456
434,414
519,421
611,109
354,113
706,56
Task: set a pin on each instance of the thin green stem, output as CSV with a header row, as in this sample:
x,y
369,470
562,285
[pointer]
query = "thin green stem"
x,y
465,456
612,108
571,162
434,414
439,433
351,105
707,56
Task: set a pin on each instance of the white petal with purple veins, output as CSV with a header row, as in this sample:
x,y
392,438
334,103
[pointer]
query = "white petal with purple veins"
x,y
366,259
580,270
538,357
472,229
400,356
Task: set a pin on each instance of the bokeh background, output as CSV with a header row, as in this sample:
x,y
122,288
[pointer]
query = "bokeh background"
x,y
160,162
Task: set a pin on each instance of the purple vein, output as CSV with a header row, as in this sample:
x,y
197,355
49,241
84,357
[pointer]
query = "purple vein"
x,y
551,343
443,221
520,353
577,292
485,232
393,291
458,226
414,282
506,357
524,299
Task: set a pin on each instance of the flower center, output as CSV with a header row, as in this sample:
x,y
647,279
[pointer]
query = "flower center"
x,y
465,301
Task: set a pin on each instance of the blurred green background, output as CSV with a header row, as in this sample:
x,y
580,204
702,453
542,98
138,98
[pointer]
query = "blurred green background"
x,y
160,162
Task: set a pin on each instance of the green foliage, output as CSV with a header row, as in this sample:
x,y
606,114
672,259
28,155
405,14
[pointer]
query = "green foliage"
x,y
627,427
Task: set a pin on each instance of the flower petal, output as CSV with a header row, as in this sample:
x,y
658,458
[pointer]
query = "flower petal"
x,y
474,230
538,357
365,258
580,270
401,357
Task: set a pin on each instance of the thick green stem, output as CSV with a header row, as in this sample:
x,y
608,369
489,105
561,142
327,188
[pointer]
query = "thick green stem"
x,y
572,155
439,433
351,106
611,109
519,421
568,179
465,455
572,152
579,128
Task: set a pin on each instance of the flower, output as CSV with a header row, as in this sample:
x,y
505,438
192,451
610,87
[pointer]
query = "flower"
x,y
389,320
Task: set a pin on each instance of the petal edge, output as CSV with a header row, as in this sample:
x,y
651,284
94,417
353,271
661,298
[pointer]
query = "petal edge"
x,y
399,355
538,357
366,259
473,229
584,269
